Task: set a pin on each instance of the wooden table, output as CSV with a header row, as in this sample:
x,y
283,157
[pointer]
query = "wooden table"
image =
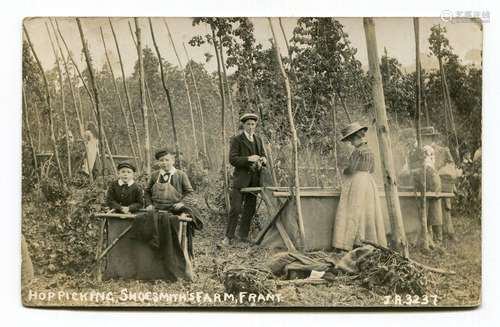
x,y
103,249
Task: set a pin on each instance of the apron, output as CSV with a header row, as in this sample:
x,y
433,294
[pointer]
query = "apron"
x,y
165,194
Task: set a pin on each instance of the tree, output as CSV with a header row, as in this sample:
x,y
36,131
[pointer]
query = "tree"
x,y
324,61
399,91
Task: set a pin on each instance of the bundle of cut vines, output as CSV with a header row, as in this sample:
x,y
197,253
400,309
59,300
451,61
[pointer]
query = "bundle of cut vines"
x,y
388,272
256,280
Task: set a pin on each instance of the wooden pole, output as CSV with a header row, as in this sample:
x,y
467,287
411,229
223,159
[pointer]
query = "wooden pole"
x,y
169,100
147,144
153,110
96,97
424,235
445,102
450,112
344,106
50,109
224,74
296,185
292,68
39,127
202,119
120,102
127,94
338,175
63,104
66,69
424,97
28,133
148,93
388,171
223,129
193,127
75,65
92,101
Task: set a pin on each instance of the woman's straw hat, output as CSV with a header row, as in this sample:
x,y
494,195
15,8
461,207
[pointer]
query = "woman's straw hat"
x,y
352,129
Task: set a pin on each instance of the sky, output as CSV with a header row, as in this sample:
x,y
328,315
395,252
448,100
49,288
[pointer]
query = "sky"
x,y
394,34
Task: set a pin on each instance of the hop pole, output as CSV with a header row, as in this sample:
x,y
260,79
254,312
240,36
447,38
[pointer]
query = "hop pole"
x,y
96,97
296,185
49,106
390,185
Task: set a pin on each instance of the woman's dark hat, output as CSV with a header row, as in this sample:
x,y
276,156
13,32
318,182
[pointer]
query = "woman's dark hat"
x,y
248,116
351,129
126,165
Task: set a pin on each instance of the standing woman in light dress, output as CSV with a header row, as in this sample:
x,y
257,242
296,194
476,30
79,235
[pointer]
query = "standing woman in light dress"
x,y
92,148
359,213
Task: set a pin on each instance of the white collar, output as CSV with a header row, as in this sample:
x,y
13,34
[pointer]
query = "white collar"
x,y
171,171
250,138
129,183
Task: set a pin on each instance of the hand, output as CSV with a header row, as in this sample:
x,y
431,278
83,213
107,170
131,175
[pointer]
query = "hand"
x,y
263,160
150,207
253,158
178,205
125,209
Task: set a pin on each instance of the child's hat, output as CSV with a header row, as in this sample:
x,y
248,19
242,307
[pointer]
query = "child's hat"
x,y
352,129
248,116
163,152
126,165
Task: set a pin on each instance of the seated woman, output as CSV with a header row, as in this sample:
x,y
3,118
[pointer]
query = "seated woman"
x,y
359,213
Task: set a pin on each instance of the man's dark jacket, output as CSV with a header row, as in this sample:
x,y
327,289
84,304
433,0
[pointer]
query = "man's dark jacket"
x,y
240,150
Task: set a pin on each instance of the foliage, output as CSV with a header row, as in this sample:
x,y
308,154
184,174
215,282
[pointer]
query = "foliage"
x,y
399,92
468,189
388,272
61,235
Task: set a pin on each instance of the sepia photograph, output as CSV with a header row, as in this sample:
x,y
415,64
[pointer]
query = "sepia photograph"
x,y
241,162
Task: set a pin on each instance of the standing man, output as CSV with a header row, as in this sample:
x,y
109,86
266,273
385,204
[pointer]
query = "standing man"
x,y
247,155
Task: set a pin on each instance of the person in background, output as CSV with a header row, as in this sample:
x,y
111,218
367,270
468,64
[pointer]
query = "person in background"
x,y
247,155
359,213
447,171
124,195
92,148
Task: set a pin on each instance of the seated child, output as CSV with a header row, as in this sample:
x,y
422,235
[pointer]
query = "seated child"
x,y
168,188
123,194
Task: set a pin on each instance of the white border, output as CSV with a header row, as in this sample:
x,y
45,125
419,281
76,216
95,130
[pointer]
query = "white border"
x,y
10,127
